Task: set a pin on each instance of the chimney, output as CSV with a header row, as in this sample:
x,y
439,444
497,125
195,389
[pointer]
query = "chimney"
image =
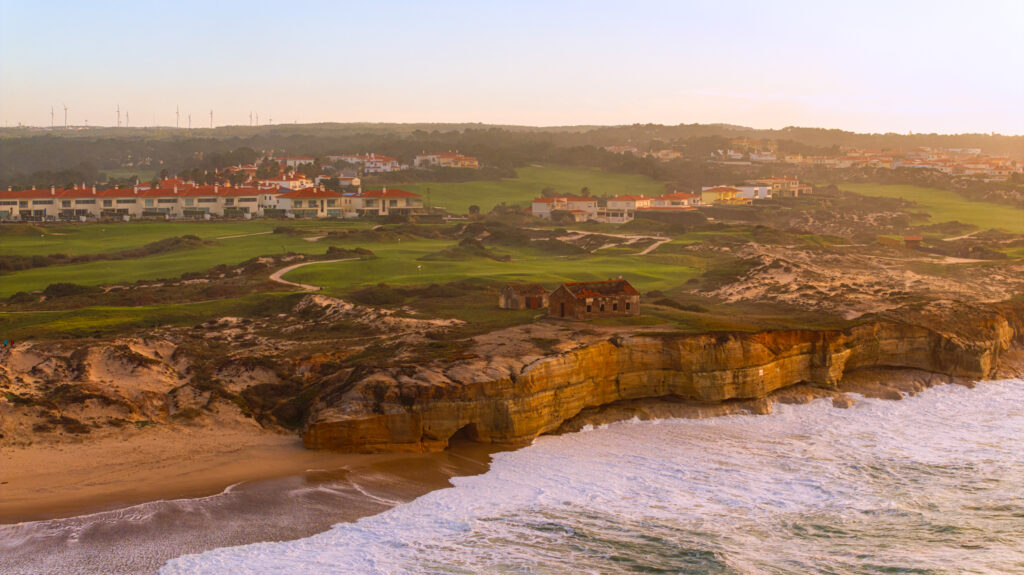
x,y
116,186
175,188
33,188
94,190
136,188
53,190
215,188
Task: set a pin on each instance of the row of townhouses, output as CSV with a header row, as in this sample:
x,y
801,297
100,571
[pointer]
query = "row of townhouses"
x,y
84,203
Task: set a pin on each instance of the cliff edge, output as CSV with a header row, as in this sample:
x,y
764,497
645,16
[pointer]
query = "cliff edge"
x,y
515,396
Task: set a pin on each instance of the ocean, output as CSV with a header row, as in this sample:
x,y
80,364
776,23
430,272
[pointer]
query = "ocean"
x,y
930,484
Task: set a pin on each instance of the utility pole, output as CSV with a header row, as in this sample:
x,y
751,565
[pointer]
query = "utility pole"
x,y
211,119
250,118
127,119
190,121
119,115
51,117
65,116
177,116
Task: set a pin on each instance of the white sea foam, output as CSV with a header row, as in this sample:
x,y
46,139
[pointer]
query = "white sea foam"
x,y
932,483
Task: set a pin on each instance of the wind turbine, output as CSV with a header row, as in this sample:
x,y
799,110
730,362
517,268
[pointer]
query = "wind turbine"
x,y
51,117
211,119
119,115
65,116
177,116
190,120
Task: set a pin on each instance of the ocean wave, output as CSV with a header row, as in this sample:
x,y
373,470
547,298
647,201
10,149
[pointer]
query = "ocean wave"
x,y
929,484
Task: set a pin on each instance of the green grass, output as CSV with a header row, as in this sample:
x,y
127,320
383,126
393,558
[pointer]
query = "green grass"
x,y
945,206
166,265
398,264
457,197
94,238
99,321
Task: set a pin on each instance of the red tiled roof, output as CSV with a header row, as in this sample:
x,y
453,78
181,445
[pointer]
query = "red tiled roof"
x,y
628,198
600,288
722,189
680,196
386,193
309,193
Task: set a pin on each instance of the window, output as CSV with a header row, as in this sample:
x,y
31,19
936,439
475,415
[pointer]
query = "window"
x,y
108,203
85,202
130,201
167,201
627,306
393,203
189,202
65,203
332,203
615,306
589,308
207,200
229,201
42,203
23,204
8,202
149,203
602,306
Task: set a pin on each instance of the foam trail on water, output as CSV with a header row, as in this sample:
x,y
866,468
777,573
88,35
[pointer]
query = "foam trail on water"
x,y
933,483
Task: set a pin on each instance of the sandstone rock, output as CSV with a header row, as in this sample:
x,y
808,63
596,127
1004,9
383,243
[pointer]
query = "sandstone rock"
x,y
489,402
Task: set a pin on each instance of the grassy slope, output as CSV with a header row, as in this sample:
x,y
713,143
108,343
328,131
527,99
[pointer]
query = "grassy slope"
x,y
94,238
530,181
947,206
398,264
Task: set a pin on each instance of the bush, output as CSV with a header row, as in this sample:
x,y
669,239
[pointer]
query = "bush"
x,y
65,289
380,294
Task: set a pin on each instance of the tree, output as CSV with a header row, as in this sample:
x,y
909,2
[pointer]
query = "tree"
x,y
474,210
548,192
585,192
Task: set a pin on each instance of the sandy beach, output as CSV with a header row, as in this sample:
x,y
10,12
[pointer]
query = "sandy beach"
x,y
48,481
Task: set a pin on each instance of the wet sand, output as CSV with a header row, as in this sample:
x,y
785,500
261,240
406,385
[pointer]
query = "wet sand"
x,y
127,505
62,480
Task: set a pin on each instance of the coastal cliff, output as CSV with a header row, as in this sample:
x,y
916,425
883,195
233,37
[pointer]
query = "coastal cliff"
x,y
513,400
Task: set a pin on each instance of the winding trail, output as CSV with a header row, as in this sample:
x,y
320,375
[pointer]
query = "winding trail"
x,y
244,235
276,276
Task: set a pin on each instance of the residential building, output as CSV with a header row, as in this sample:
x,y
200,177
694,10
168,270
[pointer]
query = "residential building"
x,y
752,192
386,202
295,161
723,195
676,200
622,209
371,163
309,203
448,160
290,181
578,208
523,296
82,203
588,300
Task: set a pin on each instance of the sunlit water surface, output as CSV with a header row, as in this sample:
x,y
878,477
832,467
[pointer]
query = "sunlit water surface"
x,y
930,484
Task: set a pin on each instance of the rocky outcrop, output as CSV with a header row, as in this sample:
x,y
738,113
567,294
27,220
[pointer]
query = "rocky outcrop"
x,y
499,400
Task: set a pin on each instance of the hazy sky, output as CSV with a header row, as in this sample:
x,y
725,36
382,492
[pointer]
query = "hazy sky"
x,y
864,65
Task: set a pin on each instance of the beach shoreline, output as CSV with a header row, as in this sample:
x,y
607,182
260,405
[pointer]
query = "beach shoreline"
x,y
61,480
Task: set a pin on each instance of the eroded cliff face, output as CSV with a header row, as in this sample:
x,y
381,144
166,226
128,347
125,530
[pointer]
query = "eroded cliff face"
x,y
501,400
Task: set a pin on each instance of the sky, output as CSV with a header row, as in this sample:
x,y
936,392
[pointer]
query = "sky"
x,y
866,66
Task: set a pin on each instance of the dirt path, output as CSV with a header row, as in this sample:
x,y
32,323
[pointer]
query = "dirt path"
x,y
276,276
244,235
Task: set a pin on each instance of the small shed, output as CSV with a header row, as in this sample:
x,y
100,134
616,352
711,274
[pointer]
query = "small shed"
x,y
523,296
589,300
